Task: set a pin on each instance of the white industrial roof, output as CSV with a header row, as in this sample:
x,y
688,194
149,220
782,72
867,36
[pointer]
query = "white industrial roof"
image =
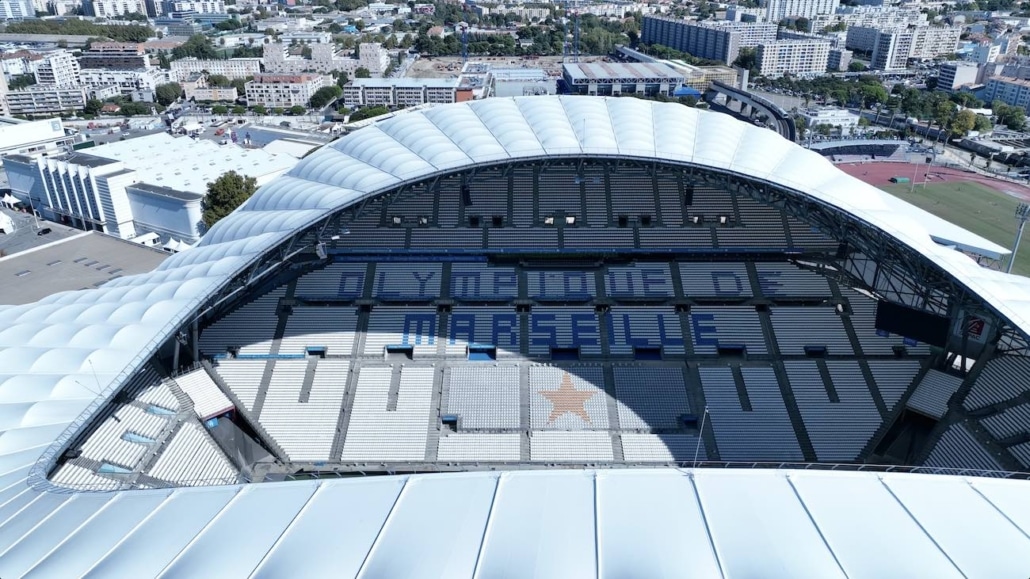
x,y
606,71
567,523
189,165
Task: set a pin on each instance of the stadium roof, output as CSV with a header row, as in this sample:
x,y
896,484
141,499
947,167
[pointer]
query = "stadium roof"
x,y
567,523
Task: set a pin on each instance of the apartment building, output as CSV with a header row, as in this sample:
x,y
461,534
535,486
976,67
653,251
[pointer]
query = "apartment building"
x,y
44,99
362,92
113,8
194,7
777,10
838,60
894,47
325,58
1011,91
59,68
16,9
115,56
230,68
283,90
139,85
715,40
796,57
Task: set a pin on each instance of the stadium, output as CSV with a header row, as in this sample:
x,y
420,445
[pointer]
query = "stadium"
x,y
540,336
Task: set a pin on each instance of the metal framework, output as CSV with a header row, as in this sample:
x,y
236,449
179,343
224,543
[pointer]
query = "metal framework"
x,y
869,259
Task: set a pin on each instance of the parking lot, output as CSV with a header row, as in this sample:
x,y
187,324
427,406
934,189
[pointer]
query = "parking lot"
x,y
27,232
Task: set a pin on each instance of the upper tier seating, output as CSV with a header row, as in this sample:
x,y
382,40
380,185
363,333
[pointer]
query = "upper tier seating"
x,y
1001,379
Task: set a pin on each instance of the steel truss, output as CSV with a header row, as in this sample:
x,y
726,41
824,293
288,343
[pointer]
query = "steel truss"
x,y
868,259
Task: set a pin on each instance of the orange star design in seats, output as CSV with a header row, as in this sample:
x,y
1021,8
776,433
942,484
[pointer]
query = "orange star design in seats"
x,y
566,399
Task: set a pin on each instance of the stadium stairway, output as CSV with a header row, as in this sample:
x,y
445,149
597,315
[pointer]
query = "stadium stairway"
x,y
613,410
167,434
789,399
277,340
336,450
309,379
435,427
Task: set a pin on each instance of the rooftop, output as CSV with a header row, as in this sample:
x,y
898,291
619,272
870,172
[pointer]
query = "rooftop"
x,y
406,82
83,261
185,164
609,70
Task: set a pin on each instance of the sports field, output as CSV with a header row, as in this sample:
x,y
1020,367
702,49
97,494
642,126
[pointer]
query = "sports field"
x,y
981,205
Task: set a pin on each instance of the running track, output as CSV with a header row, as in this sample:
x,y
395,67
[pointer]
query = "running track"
x,y
879,174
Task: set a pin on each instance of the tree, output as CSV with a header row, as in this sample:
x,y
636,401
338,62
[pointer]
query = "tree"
x,y
218,80
802,24
362,72
872,93
982,124
857,66
297,110
163,62
219,110
93,107
747,58
367,113
1012,117
342,79
225,194
168,93
197,46
325,95
240,84
259,110
305,51
239,110
963,122
21,81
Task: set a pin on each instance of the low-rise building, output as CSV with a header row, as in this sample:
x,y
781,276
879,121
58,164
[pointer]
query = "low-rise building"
x,y
841,118
148,184
306,37
214,94
20,137
43,99
614,78
20,62
507,82
796,57
283,90
955,75
362,92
